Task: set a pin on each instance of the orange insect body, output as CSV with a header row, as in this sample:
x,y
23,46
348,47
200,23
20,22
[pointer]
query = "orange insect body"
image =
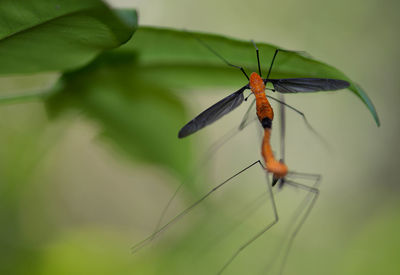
x,y
265,114
278,168
257,86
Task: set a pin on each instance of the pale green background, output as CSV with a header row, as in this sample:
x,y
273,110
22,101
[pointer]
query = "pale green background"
x,y
84,206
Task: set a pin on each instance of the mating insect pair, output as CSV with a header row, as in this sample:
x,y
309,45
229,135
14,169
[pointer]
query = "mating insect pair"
x,y
278,169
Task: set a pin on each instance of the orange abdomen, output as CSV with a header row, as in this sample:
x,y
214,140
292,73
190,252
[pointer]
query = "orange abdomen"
x,y
265,114
278,168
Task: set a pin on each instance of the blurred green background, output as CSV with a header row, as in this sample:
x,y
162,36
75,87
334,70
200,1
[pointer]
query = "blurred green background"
x,y
71,205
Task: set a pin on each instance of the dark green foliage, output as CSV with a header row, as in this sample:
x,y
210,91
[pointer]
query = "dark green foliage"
x,y
47,35
141,118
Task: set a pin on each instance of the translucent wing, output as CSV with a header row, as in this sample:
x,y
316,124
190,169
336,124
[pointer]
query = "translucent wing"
x,y
213,113
304,85
248,118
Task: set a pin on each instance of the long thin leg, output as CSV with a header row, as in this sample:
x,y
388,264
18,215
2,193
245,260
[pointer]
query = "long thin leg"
x,y
246,212
258,58
273,59
309,126
298,217
301,218
283,127
282,102
260,233
272,62
213,148
245,121
164,212
220,56
147,240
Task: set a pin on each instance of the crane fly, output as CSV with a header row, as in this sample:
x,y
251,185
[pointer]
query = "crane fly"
x,y
279,170
284,85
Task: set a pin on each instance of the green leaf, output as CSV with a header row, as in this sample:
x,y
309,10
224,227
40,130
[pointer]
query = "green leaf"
x,y
139,118
178,59
47,35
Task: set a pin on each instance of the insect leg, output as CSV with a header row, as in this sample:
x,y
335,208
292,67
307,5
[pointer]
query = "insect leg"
x,y
308,125
245,121
220,56
273,59
246,213
213,148
147,240
260,233
304,209
283,127
272,62
258,58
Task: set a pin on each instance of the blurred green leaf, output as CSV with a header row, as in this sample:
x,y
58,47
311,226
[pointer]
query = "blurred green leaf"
x,y
47,35
178,59
141,118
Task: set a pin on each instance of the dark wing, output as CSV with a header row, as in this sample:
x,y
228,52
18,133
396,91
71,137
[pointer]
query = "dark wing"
x,y
304,85
213,113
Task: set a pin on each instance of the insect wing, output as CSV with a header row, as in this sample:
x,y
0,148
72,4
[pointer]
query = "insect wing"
x,y
304,85
247,118
213,113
